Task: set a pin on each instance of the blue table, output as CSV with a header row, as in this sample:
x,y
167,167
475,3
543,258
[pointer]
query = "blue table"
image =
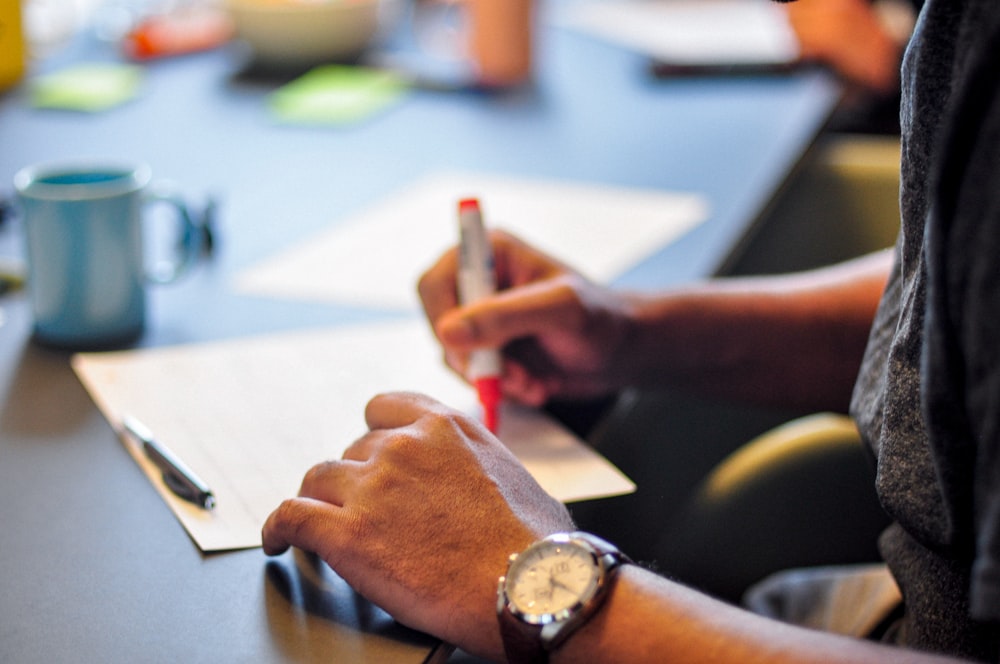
x,y
96,567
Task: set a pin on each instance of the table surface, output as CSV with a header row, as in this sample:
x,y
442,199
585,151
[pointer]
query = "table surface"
x,y
96,566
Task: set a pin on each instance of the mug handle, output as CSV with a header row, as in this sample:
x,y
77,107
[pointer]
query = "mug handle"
x,y
190,242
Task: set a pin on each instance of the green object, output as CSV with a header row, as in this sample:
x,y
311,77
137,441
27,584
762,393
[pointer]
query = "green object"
x,y
12,275
87,87
336,95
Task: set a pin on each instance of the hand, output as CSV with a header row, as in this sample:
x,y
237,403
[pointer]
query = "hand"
x,y
420,517
848,36
561,334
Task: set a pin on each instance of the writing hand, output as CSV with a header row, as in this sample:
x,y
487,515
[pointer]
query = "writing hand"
x,y
561,334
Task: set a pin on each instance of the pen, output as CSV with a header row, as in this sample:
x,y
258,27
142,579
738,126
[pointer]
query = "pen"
x,y
178,477
476,280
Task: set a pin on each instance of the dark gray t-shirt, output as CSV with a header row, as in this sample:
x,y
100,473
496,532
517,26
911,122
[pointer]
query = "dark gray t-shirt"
x,y
928,397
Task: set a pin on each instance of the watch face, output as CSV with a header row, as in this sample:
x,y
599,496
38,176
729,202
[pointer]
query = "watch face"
x,y
551,580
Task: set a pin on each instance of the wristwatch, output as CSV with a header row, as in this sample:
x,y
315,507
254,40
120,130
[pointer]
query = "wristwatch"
x,y
550,590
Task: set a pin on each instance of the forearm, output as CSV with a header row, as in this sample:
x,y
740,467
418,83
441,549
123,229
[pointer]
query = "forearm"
x,y
789,340
650,619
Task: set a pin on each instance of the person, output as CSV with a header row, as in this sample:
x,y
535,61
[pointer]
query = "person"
x,y
862,42
422,512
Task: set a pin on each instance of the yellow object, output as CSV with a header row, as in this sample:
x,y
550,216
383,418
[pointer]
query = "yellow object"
x,y
11,43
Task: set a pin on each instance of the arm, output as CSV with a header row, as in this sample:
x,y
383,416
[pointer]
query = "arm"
x,y
790,340
422,512
650,619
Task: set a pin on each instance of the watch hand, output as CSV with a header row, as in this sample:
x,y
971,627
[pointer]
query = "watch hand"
x,y
558,584
552,583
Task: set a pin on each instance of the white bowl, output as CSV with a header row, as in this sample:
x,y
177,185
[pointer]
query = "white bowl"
x,y
295,33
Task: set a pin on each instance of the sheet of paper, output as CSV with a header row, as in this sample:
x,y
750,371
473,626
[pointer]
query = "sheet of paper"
x,y
251,416
690,32
374,258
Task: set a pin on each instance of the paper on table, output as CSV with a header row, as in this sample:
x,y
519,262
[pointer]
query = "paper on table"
x,y
251,416
691,32
598,229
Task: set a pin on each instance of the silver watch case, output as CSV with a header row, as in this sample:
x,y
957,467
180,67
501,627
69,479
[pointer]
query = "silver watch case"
x,y
558,626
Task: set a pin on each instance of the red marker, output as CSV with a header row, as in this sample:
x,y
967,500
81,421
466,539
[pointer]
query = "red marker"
x,y
476,280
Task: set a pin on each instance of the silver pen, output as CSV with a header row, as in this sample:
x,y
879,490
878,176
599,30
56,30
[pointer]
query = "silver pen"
x,y
176,475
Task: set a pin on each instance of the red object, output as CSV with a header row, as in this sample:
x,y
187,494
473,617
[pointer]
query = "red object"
x,y
488,389
177,34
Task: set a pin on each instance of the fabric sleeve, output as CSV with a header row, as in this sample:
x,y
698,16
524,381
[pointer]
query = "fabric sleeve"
x,y
962,354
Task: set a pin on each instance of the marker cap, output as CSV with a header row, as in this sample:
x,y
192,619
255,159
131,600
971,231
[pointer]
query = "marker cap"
x,y
468,204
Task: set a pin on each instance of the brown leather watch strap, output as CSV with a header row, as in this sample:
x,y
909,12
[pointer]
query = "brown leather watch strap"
x,y
521,641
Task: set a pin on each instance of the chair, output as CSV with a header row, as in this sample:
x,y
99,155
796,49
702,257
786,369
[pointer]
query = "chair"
x,y
799,495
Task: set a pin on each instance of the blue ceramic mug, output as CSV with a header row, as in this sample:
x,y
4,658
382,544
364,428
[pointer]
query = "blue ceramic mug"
x,y
87,272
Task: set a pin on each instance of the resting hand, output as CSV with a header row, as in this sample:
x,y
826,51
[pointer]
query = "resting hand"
x,y
561,334
419,517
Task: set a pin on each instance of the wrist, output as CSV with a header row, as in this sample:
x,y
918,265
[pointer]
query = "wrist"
x,y
600,639
551,590
652,352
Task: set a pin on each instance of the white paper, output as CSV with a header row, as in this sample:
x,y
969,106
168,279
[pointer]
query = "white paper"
x,y
691,32
375,258
251,416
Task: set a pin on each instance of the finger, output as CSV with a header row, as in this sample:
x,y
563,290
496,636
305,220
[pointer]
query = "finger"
x,y
397,409
456,362
527,311
521,386
305,523
437,286
329,481
364,448
360,450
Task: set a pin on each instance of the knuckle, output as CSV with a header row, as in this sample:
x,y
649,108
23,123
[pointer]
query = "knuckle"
x,y
316,473
435,424
403,442
442,422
